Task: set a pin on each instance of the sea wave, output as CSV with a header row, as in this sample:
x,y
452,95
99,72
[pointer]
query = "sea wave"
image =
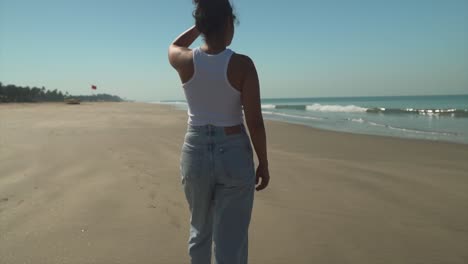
x,y
293,116
373,110
170,102
429,112
335,108
402,129
268,106
317,107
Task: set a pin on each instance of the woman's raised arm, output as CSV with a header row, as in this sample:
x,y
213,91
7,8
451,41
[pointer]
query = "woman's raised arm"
x,y
179,50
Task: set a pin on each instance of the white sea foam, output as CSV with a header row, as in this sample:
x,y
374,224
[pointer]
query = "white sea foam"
x,y
268,106
412,130
357,120
336,108
169,103
407,130
293,116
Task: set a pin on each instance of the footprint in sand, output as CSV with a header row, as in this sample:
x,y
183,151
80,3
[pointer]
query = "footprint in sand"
x,y
4,200
156,183
175,203
173,220
153,195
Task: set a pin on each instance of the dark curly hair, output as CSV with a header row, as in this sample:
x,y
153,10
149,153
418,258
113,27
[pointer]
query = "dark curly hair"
x,y
212,16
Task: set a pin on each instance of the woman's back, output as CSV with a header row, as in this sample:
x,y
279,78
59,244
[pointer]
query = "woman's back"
x,y
210,96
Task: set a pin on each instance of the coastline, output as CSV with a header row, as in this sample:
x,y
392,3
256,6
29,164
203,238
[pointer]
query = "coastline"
x,y
174,107
267,120
99,183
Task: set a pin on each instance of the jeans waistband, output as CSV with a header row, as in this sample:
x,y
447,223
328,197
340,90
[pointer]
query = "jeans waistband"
x,y
217,130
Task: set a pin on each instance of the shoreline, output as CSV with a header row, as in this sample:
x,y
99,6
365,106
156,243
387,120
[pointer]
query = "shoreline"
x,y
331,130
323,130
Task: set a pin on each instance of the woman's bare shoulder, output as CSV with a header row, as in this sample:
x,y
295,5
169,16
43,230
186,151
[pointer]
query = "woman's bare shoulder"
x,y
241,64
239,67
242,60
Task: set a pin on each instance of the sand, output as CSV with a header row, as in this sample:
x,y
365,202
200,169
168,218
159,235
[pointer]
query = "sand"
x,y
99,183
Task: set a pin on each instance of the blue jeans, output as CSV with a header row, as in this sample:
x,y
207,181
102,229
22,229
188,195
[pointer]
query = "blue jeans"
x,y
218,177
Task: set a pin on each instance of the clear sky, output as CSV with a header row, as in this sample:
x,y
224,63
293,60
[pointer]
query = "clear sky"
x,y
302,48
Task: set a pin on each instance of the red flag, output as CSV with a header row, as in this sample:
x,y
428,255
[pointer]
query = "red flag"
x,y
93,87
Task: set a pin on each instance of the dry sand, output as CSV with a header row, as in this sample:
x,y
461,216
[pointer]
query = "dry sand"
x,y
99,183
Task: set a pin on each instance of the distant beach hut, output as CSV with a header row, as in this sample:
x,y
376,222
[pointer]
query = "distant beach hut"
x,y
72,101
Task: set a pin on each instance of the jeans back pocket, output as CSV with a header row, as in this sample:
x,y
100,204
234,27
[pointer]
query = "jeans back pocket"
x,y
191,162
237,162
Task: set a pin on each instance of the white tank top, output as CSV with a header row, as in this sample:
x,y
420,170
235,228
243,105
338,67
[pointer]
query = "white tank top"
x,y
211,98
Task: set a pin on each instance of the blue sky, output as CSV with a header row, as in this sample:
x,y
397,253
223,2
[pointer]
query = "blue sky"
x,y
301,48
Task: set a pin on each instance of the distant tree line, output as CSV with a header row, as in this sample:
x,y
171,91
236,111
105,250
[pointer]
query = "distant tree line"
x,y
13,93
98,98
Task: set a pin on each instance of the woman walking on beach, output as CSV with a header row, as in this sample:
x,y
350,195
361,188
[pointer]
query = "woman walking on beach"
x,y
216,164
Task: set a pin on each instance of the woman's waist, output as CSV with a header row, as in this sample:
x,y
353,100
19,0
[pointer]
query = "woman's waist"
x,y
215,119
208,134
215,129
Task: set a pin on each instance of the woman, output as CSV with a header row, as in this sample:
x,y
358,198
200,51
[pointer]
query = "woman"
x,y
217,167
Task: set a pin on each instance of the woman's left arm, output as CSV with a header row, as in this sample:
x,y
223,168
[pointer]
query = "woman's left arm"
x,y
179,50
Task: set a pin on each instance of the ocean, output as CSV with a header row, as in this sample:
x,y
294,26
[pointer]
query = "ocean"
x,y
441,117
